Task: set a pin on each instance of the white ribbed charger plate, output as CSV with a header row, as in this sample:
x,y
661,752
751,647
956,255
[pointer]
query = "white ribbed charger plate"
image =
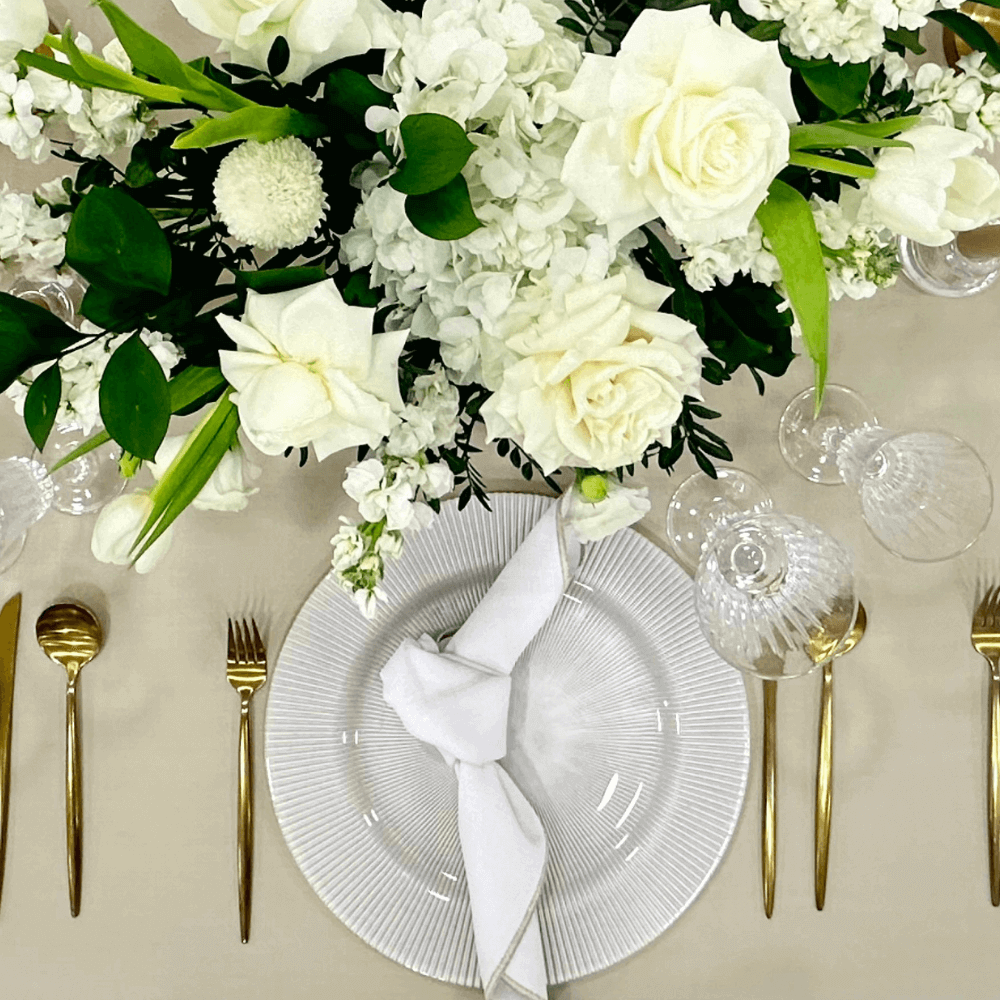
x,y
627,733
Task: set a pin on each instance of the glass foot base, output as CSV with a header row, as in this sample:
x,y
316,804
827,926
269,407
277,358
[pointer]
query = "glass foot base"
x,y
10,552
945,270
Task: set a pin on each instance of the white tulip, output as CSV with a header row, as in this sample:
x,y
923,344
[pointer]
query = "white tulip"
x,y
688,123
317,31
309,371
934,190
117,527
23,24
224,490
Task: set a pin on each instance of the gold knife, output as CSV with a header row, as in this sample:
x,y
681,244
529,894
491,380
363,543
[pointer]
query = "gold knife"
x,y
10,618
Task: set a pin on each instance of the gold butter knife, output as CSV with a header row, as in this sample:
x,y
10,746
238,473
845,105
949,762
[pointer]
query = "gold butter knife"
x,y
10,618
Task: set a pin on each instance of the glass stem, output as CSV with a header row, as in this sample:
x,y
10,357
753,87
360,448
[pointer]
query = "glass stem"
x,y
856,450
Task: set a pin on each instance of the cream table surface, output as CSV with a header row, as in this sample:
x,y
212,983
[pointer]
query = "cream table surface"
x,y
908,913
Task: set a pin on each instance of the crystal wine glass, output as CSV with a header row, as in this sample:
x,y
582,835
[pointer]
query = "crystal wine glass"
x,y
967,265
26,493
774,594
925,495
87,483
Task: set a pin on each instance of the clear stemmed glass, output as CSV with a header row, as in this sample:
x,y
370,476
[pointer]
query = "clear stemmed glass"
x,y
968,265
925,495
774,593
26,493
87,483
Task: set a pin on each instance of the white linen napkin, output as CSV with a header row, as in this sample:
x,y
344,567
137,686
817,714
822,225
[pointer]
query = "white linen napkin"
x,y
457,700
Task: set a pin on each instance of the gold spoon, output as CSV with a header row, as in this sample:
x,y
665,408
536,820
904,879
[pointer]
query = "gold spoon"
x,y
71,636
824,763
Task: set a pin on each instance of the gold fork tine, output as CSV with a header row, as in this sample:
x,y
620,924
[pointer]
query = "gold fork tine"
x,y
231,650
258,646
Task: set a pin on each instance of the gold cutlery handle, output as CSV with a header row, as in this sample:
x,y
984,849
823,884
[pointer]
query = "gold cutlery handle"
x,y
824,784
74,800
769,793
244,822
993,789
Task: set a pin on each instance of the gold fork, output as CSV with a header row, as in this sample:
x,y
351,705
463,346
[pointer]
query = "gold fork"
x,y
986,639
246,669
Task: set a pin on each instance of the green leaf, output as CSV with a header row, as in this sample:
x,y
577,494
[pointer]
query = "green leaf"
x,y
193,384
119,312
29,335
353,93
42,404
570,25
151,56
766,31
445,214
141,169
436,149
282,279
114,242
258,123
788,224
813,161
33,60
102,437
841,88
189,471
278,56
881,129
971,32
833,136
907,38
135,400
357,291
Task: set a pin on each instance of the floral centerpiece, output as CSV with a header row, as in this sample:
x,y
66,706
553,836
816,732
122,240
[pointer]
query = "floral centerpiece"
x,y
378,226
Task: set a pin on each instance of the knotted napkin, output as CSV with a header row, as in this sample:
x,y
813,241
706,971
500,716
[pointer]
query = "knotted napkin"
x,y
457,700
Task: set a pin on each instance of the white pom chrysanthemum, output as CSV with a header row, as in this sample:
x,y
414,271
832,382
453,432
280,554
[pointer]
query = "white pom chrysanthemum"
x,y
270,194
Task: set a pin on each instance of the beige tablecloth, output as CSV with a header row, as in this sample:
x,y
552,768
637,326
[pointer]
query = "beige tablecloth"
x,y
908,912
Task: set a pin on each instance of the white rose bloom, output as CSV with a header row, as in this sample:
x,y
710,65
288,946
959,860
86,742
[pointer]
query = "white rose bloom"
x,y
225,489
23,24
937,188
117,527
309,371
602,372
317,31
621,507
688,123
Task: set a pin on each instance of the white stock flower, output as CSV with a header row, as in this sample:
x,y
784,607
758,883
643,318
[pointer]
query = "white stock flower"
x,y
348,546
430,420
317,31
688,123
937,188
621,507
117,527
270,194
224,490
722,261
20,127
377,497
29,231
309,371
23,24
601,373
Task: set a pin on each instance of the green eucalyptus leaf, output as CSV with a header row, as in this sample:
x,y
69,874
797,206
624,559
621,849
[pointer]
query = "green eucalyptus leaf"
x,y
445,214
787,221
436,149
114,242
135,399
259,123
970,31
29,335
840,87
42,404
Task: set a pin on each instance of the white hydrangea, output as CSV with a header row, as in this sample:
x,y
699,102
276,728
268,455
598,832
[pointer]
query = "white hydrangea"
x,y
859,258
29,232
270,194
81,374
844,30
495,67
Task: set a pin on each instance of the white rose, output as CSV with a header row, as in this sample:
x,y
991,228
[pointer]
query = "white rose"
x,y
309,371
687,123
937,188
224,489
117,528
317,31
593,521
23,24
602,372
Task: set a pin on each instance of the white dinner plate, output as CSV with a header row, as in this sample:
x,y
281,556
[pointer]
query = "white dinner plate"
x,y
628,734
